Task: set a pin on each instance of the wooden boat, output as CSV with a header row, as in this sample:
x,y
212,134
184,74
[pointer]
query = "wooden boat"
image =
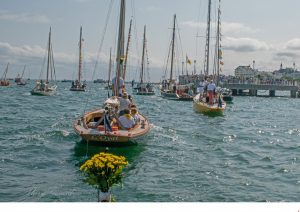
x,y
143,88
102,126
84,127
200,105
46,88
3,80
77,85
185,92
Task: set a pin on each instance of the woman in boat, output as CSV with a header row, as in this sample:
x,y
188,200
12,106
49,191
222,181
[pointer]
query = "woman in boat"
x,y
126,120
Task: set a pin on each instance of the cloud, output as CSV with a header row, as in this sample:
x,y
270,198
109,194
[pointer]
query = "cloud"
x,y
293,44
23,18
287,55
228,28
244,44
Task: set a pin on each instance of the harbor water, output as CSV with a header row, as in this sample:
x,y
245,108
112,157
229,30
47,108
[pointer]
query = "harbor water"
x,y
250,154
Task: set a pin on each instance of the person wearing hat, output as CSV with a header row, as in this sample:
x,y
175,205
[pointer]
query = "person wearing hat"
x,y
211,87
124,103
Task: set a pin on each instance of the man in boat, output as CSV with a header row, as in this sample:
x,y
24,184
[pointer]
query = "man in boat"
x,y
211,87
200,89
124,103
120,84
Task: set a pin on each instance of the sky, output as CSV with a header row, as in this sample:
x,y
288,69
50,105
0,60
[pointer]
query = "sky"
x,y
264,31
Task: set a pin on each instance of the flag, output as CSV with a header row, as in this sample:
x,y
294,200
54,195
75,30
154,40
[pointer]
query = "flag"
x,y
122,59
188,60
107,126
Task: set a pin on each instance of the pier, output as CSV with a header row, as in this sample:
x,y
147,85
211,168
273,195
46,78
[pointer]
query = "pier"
x,y
240,89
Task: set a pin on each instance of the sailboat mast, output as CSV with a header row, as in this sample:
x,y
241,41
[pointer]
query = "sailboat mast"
x,y
120,49
206,63
218,43
23,71
49,55
6,70
127,50
109,68
80,55
143,57
173,49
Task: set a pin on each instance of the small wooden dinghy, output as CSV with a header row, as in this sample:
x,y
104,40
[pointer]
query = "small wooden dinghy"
x,y
93,128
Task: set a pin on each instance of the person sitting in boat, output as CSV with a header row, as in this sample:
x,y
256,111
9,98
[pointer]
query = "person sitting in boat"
x,y
211,87
126,120
124,103
190,92
135,115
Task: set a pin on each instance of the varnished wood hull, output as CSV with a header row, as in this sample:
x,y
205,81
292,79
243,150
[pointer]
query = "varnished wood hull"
x,y
104,137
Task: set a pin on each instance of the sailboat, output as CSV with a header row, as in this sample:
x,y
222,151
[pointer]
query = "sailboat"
x,y
168,89
77,85
19,79
200,103
46,88
3,80
143,88
103,125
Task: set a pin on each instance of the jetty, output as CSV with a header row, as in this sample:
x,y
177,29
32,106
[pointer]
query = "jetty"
x,y
251,89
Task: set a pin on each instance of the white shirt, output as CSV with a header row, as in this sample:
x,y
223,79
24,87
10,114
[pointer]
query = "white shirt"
x,y
211,87
127,123
124,103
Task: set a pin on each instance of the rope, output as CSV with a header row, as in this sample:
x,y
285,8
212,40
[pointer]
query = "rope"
x,y
100,48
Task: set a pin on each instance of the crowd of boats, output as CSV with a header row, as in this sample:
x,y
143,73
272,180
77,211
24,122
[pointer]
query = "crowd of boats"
x,y
119,120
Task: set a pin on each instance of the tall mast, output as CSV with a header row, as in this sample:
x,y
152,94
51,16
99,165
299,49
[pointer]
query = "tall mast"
x,y
6,70
23,71
127,50
143,56
80,55
173,48
49,56
120,49
218,43
109,68
206,63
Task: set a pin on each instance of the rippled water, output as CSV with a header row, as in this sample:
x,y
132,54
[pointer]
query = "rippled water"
x,y
249,154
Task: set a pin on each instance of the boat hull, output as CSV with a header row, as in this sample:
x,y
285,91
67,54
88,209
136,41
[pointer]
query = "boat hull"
x,y
102,137
77,89
50,92
169,95
203,107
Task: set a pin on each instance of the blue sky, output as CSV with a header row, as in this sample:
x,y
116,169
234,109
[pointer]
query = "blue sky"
x,y
262,30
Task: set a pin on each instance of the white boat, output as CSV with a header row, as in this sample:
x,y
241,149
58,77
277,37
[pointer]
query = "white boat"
x,y
77,85
143,88
46,88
